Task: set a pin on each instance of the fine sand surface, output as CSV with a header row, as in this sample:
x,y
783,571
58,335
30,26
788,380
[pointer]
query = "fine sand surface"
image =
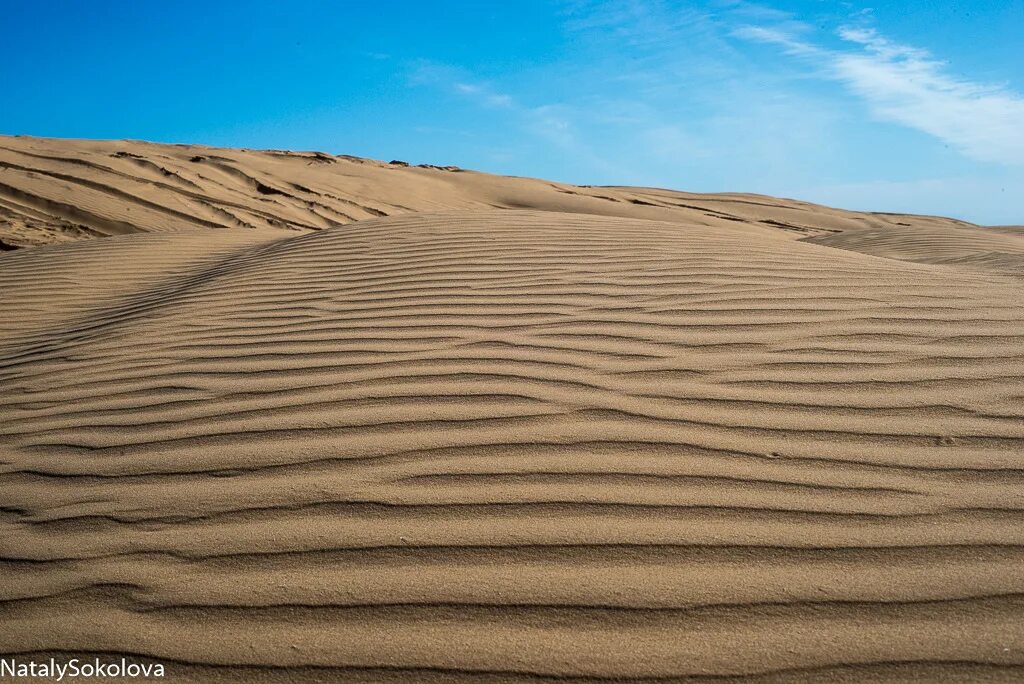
x,y
313,418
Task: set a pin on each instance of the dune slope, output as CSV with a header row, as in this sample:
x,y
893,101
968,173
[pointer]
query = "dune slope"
x,y
500,445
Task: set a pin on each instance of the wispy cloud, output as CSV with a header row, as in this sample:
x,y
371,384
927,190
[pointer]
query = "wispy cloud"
x,y
459,81
909,86
483,95
550,123
658,92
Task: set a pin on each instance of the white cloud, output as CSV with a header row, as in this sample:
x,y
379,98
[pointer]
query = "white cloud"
x,y
907,85
455,79
484,95
554,124
657,95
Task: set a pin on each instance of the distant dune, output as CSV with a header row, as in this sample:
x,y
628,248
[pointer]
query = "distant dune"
x,y
59,190
298,417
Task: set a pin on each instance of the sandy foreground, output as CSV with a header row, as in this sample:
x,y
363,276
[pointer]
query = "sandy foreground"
x,y
273,416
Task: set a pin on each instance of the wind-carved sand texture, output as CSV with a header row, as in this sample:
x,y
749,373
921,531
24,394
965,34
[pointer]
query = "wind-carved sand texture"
x,y
390,427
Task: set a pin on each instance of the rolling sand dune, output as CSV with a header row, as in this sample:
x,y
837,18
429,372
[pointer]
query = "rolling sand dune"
x,y
387,423
60,190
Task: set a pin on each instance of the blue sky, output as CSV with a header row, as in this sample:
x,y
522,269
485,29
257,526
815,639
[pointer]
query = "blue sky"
x,y
897,106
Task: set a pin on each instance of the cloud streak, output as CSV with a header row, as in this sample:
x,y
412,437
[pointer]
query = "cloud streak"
x,y
484,95
908,86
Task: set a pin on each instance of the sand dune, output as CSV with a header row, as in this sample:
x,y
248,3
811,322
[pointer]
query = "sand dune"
x,y
61,190
389,427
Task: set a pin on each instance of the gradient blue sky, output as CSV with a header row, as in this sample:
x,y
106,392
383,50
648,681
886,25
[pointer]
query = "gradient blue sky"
x,y
897,106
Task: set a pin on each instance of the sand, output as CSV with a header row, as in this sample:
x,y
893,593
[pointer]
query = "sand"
x,y
298,417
